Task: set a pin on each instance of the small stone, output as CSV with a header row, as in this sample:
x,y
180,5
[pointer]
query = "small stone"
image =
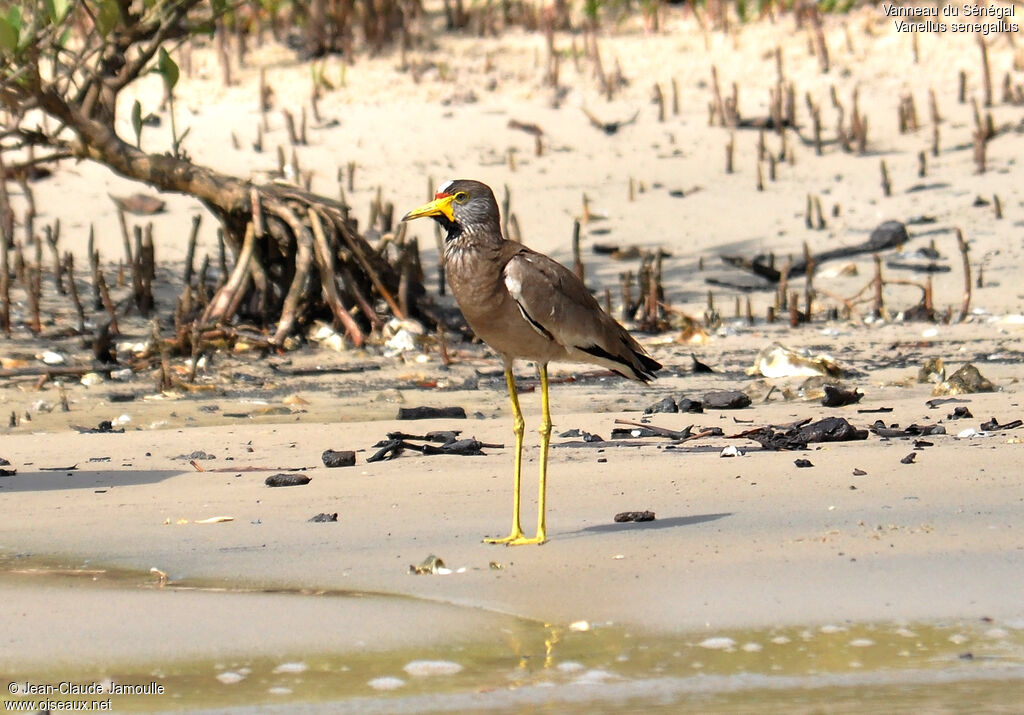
x,y
909,459
803,463
726,400
664,405
889,234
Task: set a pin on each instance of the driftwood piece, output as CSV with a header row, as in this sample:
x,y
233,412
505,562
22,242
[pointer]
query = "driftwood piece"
x,y
303,264
322,252
220,306
528,127
965,306
890,234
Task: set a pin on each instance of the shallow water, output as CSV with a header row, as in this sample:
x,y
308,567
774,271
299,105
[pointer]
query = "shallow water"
x,y
963,666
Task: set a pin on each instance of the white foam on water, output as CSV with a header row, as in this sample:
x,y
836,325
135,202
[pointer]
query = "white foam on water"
x,y
386,682
424,668
594,676
292,667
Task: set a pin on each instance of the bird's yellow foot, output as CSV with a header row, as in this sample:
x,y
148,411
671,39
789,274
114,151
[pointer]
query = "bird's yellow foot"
x,y
514,536
523,541
519,539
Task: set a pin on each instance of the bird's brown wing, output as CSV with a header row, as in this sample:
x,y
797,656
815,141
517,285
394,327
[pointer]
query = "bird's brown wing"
x,y
557,304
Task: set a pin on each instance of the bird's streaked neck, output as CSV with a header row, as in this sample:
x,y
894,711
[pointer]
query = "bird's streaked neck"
x,y
473,233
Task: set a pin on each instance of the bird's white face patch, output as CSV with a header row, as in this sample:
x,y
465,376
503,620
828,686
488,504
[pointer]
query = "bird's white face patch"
x,y
443,188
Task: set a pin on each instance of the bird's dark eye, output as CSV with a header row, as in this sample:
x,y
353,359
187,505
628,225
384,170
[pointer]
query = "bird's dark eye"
x,y
461,197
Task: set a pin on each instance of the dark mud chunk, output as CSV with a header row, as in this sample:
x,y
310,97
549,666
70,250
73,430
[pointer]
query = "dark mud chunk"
x,y
830,429
287,480
464,447
625,516
726,400
803,463
836,396
430,413
339,458
323,517
909,459
389,449
685,404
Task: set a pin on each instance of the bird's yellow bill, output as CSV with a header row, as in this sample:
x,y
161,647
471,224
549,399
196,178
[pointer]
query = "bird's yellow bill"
x,y
440,206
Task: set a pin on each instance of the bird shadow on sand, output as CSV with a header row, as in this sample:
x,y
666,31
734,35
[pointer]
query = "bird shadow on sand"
x,y
668,523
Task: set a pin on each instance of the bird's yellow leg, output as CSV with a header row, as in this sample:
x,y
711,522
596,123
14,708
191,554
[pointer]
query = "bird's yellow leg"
x,y
545,441
518,426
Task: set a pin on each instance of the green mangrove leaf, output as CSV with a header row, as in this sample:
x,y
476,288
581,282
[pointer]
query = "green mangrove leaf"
x,y
108,16
57,10
8,36
167,69
137,122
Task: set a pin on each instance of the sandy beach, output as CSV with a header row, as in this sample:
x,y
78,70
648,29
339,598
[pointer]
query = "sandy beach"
x,y
754,570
